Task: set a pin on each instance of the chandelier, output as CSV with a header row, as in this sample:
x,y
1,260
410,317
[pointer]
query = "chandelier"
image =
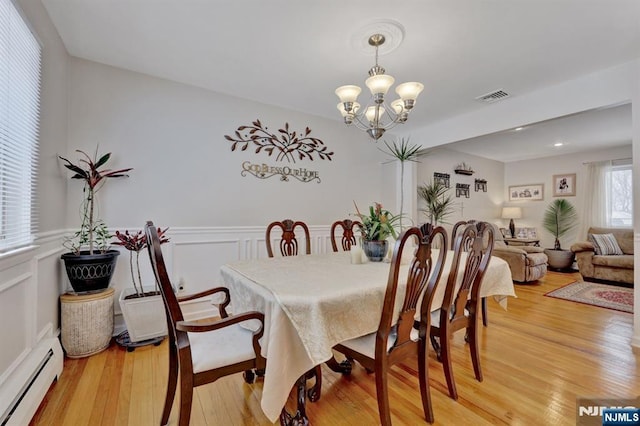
x,y
377,116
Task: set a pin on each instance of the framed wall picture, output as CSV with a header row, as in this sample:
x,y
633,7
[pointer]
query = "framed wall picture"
x,y
564,185
532,192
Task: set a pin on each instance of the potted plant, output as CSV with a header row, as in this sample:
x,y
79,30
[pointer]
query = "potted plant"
x,y
90,263
402,151
142,307
559,218
438,202
376,227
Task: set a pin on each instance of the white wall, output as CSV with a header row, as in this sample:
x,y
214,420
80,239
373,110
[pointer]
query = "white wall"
x,y
480,205
30,281
185,173
541,171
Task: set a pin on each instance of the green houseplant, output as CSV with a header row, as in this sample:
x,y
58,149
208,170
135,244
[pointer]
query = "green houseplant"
x,y
402,151
90,263
377,226
559,218
437,200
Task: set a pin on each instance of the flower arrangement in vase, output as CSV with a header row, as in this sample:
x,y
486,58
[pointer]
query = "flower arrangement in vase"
x,y
376,227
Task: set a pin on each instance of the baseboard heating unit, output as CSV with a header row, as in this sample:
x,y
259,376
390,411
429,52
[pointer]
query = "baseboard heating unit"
x,y
25,388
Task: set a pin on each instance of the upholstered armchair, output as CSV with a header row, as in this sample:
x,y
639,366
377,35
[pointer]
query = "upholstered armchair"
x,y
527,263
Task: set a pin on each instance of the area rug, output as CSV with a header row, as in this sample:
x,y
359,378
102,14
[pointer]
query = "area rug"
x,y
605,296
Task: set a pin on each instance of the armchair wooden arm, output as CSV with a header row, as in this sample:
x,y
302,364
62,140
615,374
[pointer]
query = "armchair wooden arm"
x,y
221,306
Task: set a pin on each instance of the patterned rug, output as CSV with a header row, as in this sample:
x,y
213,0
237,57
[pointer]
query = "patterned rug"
x,y
605,296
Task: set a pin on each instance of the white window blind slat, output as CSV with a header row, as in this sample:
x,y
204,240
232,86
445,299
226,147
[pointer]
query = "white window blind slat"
x,y
20,68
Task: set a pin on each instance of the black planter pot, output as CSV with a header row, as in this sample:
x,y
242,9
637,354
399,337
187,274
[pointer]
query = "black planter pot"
x,y
90,272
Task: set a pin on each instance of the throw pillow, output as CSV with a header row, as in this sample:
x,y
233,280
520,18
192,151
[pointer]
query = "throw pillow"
x,y
605,244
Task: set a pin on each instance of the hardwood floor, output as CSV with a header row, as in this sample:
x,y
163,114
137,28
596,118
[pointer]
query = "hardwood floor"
x,y
537,358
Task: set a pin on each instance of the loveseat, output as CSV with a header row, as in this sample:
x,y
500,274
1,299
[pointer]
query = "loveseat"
x,y
597,261
527,263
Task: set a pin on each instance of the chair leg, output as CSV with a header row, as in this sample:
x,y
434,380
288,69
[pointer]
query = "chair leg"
x,y
315,391
485,315
445,351
474,346
186,400
172,383
423,372
382,392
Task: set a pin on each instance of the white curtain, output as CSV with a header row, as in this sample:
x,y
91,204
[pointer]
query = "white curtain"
x,y
596,197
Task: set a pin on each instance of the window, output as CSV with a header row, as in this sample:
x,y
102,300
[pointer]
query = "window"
x,y
619,193
20,57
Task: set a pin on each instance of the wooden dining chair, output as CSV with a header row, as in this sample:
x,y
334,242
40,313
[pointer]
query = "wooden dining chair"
x,y
460,306
458,228
202,352
289,247
348,238
397,339
288,242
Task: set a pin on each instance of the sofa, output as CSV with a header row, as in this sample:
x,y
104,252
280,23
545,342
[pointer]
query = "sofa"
x,y
527,263
603,265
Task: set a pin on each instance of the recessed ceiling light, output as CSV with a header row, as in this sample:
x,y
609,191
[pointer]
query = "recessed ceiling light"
x,y
558,144
517,129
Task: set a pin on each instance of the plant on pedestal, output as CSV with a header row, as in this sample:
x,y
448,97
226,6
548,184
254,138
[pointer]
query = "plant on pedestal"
x,y
402,151
90,263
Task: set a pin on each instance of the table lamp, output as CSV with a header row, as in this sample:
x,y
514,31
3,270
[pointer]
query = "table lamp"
x,y
512,213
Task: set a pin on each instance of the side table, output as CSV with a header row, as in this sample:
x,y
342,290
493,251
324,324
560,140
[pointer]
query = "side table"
x,y
522,241
86,322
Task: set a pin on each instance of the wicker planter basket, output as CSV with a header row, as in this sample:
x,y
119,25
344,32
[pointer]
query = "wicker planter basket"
x,y
86,322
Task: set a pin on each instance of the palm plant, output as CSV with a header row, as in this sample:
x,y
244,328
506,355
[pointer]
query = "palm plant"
x,y
402,151
559,218
438,202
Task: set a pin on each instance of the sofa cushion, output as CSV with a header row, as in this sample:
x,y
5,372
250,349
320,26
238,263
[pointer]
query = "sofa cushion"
x,y
624,261
623,236
605,244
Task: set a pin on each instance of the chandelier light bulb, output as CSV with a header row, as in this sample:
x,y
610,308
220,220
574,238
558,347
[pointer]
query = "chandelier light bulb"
x,y
409,90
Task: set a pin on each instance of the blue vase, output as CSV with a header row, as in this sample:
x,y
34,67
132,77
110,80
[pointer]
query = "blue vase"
x,y
375,250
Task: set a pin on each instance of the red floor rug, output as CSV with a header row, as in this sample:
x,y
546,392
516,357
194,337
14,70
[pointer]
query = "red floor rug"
x,y
605,296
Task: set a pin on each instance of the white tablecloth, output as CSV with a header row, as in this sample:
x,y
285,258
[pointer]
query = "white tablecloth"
x,y
311,303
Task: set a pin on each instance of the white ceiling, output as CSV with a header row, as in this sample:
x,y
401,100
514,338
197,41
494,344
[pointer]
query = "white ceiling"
x,y
295,53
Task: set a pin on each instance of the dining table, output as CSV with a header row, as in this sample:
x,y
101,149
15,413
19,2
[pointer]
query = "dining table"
x,y
313,302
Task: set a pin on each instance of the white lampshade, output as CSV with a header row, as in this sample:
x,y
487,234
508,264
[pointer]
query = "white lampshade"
x,y
409,90
379,84
348,93
511,212
354,110
370,113
397,106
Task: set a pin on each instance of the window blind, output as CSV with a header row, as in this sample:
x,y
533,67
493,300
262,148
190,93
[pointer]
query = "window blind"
x,y
20,65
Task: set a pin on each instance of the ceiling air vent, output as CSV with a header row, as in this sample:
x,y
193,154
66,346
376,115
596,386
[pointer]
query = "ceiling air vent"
x,y
496,95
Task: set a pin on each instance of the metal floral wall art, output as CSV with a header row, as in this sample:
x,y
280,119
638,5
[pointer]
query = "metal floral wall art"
x,y
285,144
